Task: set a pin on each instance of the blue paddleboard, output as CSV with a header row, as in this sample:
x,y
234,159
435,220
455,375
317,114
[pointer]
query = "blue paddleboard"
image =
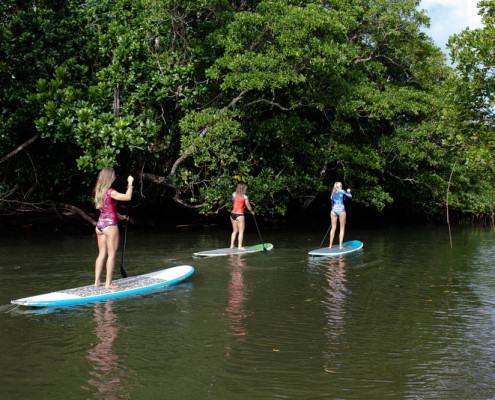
x,y
227,251
349,247
126,286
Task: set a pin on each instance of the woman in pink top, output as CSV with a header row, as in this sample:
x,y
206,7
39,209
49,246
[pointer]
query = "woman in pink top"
x,y
107,231
239,200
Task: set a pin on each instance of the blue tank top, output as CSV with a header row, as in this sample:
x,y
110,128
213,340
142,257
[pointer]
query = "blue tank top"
x,y
338,201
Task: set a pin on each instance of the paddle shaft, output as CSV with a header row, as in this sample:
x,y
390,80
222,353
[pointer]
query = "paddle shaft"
x,y
122,269
259,233
330,227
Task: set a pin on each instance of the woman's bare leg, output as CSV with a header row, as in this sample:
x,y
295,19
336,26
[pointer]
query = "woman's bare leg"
x,y
112,235
334,219
342,219
235,229
102,253
241,224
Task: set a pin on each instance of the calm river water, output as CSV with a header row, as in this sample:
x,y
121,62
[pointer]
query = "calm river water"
x,y
405,318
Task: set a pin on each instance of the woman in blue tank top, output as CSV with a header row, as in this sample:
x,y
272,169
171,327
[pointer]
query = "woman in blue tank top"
x,y
338,213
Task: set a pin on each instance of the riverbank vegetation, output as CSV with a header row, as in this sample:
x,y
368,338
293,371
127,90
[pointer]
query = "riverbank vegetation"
x,y
288,96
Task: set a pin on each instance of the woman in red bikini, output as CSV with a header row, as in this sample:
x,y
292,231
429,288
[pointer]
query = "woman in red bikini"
x,y
239,199
107,231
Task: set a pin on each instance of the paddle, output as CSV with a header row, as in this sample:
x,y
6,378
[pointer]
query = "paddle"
x,y
258,229
122,269
330,227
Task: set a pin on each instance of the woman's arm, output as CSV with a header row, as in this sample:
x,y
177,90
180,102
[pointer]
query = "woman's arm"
x,y
248,205
124,196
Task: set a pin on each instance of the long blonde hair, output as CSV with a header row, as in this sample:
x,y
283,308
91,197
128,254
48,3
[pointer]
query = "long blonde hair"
x,y
241,188
104,181
336,188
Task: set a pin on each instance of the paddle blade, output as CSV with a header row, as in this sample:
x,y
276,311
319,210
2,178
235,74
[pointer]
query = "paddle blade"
x,y
122,272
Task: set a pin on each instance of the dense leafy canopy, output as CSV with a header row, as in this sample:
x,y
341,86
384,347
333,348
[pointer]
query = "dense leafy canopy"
x,y
469,113
288,96
473,88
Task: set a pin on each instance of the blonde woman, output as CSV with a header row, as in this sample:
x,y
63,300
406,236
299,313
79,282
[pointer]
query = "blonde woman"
x,y
107,231
338,213
239,200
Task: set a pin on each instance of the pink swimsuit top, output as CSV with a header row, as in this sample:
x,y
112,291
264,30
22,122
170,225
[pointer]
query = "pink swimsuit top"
x,y
108,211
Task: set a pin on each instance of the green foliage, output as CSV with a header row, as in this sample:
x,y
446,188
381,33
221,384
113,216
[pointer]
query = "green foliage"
x,y
30,38
470,115
473,88
287,96
344,78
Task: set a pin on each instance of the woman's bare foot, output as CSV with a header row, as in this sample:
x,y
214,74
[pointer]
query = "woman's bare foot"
x,y
98,284
111,286
241,248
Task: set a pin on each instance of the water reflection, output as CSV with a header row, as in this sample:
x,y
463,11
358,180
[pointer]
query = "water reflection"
x,y
335,295
419,323
107,375
237,296
333,300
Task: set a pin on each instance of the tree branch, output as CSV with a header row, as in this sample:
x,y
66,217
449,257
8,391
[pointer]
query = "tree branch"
x,y
160,180
20,148
203,132
448,191
263,100
79,212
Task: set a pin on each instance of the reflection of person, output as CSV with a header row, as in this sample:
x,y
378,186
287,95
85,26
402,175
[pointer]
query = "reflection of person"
x,y
338,213
237,297
107,231
239,199
106,372
335,295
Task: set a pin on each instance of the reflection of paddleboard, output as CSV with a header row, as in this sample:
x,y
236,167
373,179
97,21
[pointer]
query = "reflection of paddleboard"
x,y
126,286
349,247
227,251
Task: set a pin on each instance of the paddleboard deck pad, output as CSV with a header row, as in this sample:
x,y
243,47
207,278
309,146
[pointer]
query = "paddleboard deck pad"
x,y
126,286
349,247
228,251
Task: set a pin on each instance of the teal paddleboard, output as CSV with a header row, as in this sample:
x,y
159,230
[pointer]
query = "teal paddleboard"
x,y
349,247
126,286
